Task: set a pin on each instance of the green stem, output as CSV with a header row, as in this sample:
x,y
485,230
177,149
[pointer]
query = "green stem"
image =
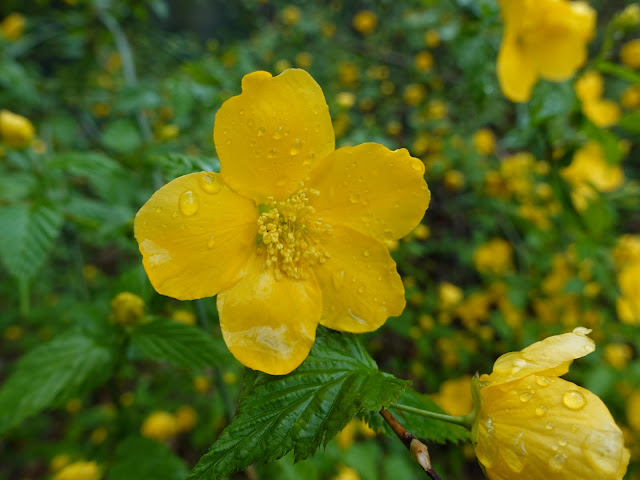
x,y
465,421
619,71
23,292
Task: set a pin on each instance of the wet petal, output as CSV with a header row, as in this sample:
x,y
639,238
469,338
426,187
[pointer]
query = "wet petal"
x,y
270,324
374,190
196,236
551,356
269,137
546,427
360,285
516,70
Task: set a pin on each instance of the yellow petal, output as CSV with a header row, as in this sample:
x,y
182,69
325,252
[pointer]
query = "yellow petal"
x,y
269,137
270,324
546,427
374,190
558,57
516,70
196,236
551,356
360,285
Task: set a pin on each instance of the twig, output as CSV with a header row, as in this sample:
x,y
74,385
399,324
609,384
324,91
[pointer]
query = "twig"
x,y
418,450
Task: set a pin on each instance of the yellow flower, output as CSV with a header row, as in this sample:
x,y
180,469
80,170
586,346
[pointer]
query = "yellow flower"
x,y
201,384
59,461
127,308
12,26
432,38
291,15
618,355
494,257
532,424
414,93
423,61
159,426
630,53
589,170
184,316
186,418
449,295
603,113
15,130
484,141
542,39
290,233
365,22
630,98
79,471
589,86
633,407
628,304
454,396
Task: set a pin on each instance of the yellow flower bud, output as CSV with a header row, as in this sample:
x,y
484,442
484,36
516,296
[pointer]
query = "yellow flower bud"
x,y
532,424
159,426
127,308
589,86
630,98
432,38
184,316
79,471
186,418
291,15
484,141
59,461
304,60
12,27
629,18
15,130
630,53
423,61
201,384
365,22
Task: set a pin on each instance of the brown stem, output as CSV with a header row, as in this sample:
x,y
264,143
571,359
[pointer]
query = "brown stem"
x,y
419,450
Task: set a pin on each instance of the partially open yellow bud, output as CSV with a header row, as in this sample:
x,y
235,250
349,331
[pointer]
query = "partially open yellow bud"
x,y
15,130
127,308
630,53
79,471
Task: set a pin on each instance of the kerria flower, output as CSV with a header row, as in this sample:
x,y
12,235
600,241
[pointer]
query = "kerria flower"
x,y
542,39
531,424
291,232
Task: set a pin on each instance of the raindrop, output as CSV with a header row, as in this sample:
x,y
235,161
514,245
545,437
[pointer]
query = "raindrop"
x,y
556,463
562,442
272,153
542,381
211,242
261,131
549,426
354,197
361,289
574,400
541,410
366,253
278,133
525,397
308,159
603,450
158,209
296,148
189,203
210,183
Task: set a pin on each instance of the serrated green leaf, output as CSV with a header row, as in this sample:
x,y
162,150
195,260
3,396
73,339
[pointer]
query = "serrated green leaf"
x,y
179,344
175,165
16,186
27,236
52,373
302,410
144,459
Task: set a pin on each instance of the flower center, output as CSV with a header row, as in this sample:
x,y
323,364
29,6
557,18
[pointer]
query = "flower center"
x,y
290,234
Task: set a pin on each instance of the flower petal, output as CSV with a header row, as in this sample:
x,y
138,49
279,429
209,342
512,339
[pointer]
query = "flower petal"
x,y
196,236
269,137
546,427
516,70
270,324
360,285
369,188
551,356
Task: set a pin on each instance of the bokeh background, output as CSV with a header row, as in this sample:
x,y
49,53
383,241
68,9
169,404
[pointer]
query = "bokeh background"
x,y
527,235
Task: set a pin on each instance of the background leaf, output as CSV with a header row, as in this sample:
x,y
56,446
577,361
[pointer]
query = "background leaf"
x,y
53,373
144,459
179,344
302,410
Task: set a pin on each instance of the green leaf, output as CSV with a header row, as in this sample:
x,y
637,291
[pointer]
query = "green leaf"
x,y
28,235
145,459
175,165
179,344
631,122
122,136
302,410
53,373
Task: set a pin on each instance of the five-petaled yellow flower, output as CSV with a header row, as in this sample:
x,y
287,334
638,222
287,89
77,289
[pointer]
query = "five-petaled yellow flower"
x,y
291,232
542,39
531,424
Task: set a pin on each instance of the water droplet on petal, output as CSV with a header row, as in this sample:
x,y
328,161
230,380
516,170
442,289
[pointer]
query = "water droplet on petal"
x,y
556,463
574,400
211,242
210,183
296,148
549,426
541,410
261,131
158,209
278,133
562,442
582,331
388,234
603,450
514,457
308,159
189,203
417,165
360,289
272,153
366,253
542,381
525,397
354,197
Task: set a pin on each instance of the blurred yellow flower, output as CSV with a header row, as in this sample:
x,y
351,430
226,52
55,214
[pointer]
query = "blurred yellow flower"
x,y
449,295
542,39
453,179
533,424
282,235
12,26
630,53
303,60
346,473
589,172
79,471
589,86
626,250
345,99
603,113
365,22
201,384
99,435
186,418
630,98
423,61
59,461
628,303
184,316
454,396
618,355
414,93
432,38
127,308
291,15
494,256
633,407
15,130
159,425
484,141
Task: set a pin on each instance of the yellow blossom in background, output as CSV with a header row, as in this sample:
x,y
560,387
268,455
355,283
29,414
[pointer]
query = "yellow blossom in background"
x,y
449,295
421,232
12,26
533,424
159,426
628,303
365,22
423,61
59,461
346,473
453,179
542,39
414,93
630,53
618,355
79,471
626,250
99,435
454,396
589,86
186,418
168,132
494,256
281,234
348,74
633,407
345,99
291,15
603,113
13,333
127,308
589,172
484,141
15,130
432,38
201,384
303,60
184,316
630,98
